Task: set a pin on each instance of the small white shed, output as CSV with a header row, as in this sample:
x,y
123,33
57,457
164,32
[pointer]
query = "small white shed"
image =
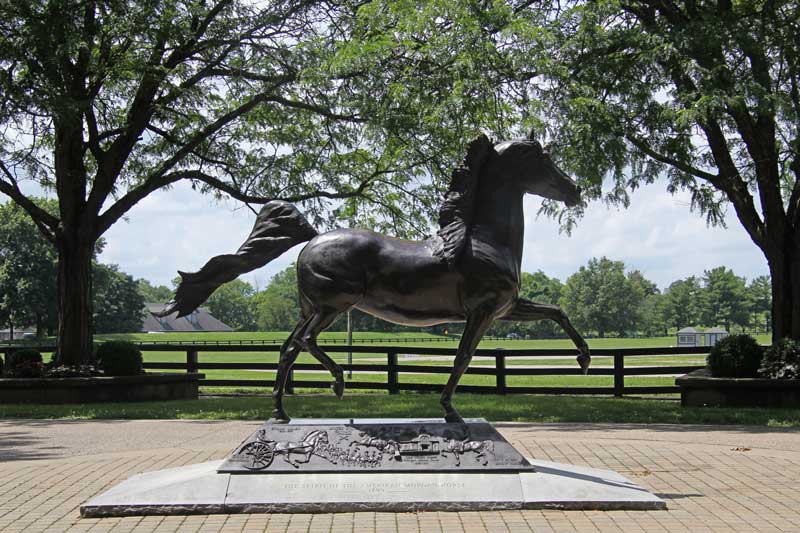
x,y
694,337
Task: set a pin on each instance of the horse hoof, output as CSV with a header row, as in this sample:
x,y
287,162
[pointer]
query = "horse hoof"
x,y
279,417
453,418
338,388
584,361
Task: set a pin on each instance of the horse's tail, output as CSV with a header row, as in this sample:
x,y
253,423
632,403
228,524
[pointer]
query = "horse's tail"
x,y
279,226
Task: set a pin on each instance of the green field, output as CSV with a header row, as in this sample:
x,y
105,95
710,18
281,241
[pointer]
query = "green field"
x,y
371,338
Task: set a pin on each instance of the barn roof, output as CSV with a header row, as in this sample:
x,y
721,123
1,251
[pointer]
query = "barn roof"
x,y
199,320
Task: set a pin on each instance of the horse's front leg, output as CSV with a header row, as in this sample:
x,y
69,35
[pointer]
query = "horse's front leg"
x,y
477,324
527,311
307,457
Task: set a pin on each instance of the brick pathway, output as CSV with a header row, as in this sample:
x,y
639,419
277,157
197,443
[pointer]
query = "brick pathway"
x,y
713,478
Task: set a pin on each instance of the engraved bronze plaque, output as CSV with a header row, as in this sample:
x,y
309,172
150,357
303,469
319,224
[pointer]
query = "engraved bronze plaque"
x,y
375,447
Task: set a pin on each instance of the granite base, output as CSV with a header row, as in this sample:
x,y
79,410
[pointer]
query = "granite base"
x,y
200,489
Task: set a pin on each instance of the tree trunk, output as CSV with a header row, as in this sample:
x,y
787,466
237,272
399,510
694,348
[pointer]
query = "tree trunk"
x,y
785,272
74,302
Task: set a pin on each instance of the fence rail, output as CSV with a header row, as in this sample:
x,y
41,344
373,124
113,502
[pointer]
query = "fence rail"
x,y
394,370
263,342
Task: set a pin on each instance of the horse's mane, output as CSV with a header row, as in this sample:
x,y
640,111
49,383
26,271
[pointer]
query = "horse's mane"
x,y
456,213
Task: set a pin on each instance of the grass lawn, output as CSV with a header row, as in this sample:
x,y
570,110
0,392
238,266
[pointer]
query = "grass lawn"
x,y
375,338
441,379
512,408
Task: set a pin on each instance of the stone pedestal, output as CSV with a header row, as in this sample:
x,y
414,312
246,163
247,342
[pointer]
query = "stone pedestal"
x,y
375,476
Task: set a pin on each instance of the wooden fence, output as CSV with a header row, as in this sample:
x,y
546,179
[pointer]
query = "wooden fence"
x,y
394,369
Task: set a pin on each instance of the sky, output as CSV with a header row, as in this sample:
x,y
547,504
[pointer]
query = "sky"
x,y
181,229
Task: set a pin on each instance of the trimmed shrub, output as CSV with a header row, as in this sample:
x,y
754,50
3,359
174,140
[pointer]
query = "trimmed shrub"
x,y
24,363
781,360
71,371
735,356
119,358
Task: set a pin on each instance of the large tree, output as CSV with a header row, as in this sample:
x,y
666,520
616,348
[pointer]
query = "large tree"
x,y
760,297
153,293
277,307
600,297
725,299
683,302
704,92
233,304
28,267
118,306
337,105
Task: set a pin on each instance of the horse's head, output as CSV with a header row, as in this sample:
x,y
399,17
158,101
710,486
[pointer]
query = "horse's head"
x,y
526,163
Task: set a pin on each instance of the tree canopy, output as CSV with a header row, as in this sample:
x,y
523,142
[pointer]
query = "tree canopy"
x,y
337,106
600,297
27,271
704,93
233,304
117,303
359,110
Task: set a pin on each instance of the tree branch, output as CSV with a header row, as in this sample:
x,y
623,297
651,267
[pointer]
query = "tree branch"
x,y
793,211
47,223
124,204
680,165
319,110
131,198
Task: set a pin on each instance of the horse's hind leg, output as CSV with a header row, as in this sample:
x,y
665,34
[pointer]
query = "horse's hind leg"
x,y
289,352
321,319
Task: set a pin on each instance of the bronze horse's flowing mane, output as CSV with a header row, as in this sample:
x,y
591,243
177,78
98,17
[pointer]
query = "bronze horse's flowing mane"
x,y
468,272
455,215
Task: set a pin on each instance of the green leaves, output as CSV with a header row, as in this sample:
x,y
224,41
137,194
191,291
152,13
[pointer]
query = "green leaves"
x,y
600,297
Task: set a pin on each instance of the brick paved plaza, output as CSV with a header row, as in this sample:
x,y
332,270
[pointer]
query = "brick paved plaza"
x,y
713,478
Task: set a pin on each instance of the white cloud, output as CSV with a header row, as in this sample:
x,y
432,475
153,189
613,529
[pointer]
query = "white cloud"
x,y
181,229
657,234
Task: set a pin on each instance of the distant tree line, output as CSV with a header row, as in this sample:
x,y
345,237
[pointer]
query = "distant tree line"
x,y
602,298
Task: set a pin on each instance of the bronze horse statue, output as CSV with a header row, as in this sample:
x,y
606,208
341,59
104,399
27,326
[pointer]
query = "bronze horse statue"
x,y
468,272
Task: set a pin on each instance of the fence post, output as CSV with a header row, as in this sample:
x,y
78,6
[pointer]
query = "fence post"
x,y
500,368
191,361
289,389
619,375
391,378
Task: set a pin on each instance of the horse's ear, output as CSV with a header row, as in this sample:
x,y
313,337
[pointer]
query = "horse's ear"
x,y
478,151
532,134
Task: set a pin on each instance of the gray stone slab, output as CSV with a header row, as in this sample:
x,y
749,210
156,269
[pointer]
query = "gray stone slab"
x,y
562,486
339,492
319,421
363,445
194,489
200,489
